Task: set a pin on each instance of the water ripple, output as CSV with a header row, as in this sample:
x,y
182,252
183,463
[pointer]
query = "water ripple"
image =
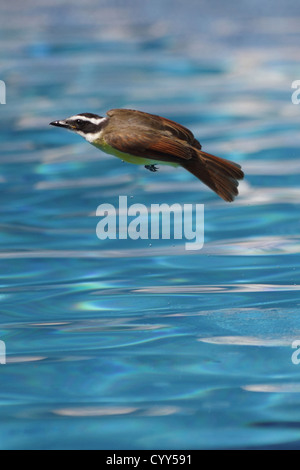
x,y
111,411
218,289
136,342
247,341
273,388
260,246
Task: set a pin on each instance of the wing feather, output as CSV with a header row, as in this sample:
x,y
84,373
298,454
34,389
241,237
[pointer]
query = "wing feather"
x,y
150,145
133,118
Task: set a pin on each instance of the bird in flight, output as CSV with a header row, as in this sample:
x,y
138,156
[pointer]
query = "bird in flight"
x,y
146,139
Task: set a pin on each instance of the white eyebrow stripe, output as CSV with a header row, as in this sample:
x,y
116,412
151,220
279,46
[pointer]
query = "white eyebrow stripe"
x,y
95,121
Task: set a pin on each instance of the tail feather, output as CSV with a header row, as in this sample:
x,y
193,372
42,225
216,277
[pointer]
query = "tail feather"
x,y
218,174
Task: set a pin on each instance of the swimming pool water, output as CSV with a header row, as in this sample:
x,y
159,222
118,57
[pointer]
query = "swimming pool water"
x,y
122,344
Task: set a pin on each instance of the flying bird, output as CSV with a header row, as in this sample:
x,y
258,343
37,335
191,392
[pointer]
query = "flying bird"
x,y
146,139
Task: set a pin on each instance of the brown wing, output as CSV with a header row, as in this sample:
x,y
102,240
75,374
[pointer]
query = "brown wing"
x,y
133,118
179,131
149,145
147,136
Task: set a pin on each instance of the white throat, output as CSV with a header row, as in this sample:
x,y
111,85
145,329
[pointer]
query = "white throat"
x,y
92,136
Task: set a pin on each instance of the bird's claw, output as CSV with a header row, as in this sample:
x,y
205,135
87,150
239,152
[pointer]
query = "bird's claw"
x,y
151,168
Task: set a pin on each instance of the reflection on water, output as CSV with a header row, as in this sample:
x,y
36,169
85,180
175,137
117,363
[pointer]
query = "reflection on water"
x,y
142,344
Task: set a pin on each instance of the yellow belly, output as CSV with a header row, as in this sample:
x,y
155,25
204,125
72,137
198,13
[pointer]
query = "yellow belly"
x,y
126,157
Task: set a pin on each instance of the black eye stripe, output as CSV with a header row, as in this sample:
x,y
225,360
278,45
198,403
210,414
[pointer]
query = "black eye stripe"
x,y
85,126
81,124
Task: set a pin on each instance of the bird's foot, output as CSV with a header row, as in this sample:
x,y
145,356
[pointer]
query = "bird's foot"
x,y
151,168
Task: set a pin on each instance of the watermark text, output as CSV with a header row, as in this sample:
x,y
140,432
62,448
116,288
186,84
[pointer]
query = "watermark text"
x,y
2,92
296,354
137,221
296,94
2,352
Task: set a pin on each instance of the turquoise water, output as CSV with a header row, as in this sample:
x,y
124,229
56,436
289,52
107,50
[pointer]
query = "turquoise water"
x,y
123,344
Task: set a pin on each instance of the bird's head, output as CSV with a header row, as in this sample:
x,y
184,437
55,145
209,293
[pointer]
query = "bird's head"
x,y
87,125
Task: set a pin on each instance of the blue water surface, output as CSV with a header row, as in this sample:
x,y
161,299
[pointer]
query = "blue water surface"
x,y
141,344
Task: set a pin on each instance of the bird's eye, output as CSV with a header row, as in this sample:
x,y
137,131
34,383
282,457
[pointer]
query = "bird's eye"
x,y
78,121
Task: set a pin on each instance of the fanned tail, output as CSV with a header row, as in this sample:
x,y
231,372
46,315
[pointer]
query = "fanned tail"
x,y
221,175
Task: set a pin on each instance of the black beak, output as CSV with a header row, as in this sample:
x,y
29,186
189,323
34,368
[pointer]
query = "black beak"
x,y
60,124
